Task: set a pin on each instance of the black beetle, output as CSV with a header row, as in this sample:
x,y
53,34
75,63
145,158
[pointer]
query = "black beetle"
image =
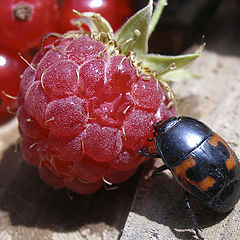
x,y
201,162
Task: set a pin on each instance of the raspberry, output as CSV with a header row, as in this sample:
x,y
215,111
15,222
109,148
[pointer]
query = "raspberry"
x,y
60,79
121,74
147,94
91,170
66,116
32,151
36,102
29,126
102,144
67,148
138,128
88,105
91,77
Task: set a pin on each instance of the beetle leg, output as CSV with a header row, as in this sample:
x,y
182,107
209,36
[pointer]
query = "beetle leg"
x,y
144,152
159,170
191,215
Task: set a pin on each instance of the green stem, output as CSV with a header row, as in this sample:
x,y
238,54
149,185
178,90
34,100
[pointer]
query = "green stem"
x,y
156,15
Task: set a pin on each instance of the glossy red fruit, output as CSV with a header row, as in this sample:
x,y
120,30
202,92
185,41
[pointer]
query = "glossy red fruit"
x,y
11,67
115,11
23,23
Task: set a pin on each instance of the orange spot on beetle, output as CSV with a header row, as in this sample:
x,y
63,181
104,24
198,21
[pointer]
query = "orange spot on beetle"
x,y
230,162
184,166
180,172
206,183
215,139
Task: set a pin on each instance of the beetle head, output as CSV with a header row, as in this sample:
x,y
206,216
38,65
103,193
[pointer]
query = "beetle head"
x,y
162,127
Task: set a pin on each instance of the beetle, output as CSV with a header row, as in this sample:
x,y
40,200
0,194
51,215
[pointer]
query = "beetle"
x,y
201,162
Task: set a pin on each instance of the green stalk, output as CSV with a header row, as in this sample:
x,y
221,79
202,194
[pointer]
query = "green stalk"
x,y
156,15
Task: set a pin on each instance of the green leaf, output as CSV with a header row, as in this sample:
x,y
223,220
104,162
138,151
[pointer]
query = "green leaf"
x,y
129,38
178,75
156,15
163,64
94,21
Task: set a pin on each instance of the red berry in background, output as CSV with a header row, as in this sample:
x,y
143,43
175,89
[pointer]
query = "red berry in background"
x,y
11,67
23,23
114,11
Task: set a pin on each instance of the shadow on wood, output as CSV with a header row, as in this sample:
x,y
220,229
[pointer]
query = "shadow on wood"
x,y
30,202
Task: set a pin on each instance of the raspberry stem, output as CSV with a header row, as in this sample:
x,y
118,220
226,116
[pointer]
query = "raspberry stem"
x,y
156,15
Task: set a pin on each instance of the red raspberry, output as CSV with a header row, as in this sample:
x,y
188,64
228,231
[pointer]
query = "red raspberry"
x,y
87,107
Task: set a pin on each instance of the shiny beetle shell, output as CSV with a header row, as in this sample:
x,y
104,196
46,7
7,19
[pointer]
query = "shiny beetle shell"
x,y
200,160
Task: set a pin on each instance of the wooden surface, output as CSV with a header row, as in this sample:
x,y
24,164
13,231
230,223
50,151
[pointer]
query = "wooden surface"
x,y
30,210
